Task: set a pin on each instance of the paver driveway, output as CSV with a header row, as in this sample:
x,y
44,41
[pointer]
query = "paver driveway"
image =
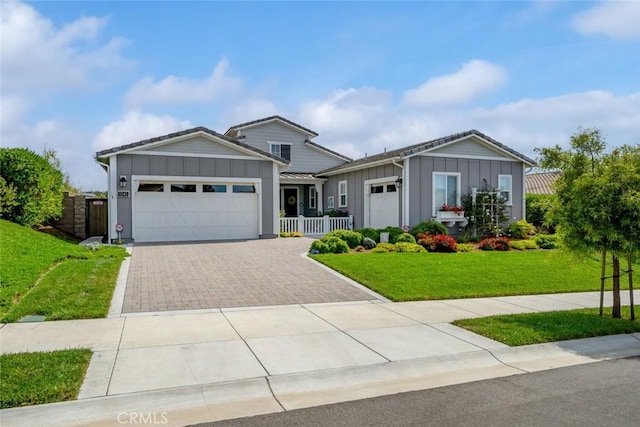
x,y
181,276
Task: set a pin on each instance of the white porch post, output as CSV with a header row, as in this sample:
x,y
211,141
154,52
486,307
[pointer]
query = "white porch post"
x,y
319,197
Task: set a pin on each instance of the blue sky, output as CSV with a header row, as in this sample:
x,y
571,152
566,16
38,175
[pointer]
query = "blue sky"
x,y
83,76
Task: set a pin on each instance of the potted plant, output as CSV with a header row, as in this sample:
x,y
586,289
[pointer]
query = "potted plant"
x,y
450,211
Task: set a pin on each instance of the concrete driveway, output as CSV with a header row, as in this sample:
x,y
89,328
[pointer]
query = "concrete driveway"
x,y
190,276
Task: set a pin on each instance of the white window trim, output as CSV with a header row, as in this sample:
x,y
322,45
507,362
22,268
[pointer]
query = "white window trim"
x,y
312,197
509,201
272,143
340,194
433,189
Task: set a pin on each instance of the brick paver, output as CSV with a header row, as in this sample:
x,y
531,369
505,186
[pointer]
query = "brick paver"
x,y
164,277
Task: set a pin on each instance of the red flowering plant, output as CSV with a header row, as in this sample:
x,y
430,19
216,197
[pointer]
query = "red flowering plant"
x,y
494,244
437,243
452,208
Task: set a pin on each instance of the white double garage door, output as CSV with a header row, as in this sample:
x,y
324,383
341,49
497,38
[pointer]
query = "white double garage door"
x,y
165,211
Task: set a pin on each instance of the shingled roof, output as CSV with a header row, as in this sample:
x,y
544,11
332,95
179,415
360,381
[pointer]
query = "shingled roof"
x,y
422,146
541,182
234,129
198,129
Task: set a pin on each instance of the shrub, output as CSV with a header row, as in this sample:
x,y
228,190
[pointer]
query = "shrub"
x,y
537,206
352,238
379,250
335,245
466,247
406,238
494,244
369,232
429,227
437,243
409,247
394,233
547,241
318,247
32,186
389,247
296,234
521,229
522,245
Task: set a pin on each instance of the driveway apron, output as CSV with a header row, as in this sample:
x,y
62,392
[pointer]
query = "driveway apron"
x,y
191,276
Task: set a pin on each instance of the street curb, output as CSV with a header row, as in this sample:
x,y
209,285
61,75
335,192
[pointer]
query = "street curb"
x,y
117,301
243,398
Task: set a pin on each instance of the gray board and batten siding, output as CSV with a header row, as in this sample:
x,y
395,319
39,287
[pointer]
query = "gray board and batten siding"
x,y
178,166
303,157
472,173
356,191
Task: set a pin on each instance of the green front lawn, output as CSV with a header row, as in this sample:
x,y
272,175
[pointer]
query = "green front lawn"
x,y
41,274
536,328
427,276
35,378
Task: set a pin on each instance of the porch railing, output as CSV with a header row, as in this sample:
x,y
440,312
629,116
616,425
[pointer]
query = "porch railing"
x,y
315,226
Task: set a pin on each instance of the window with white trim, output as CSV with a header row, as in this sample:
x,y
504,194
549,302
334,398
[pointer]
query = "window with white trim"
x,y
312,197
446,189
505,187
280,150
342,194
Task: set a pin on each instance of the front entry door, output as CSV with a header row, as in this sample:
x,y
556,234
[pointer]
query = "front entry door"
x,y
291,202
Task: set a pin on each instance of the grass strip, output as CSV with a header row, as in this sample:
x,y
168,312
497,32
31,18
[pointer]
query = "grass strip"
x,y
36,378
537,328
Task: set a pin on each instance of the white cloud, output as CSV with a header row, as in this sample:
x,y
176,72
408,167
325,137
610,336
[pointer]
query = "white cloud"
x,y
475,78
616,19
346,111
135,126
37,56
182,90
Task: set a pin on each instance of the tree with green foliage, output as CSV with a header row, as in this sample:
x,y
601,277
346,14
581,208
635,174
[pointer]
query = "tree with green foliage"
x,y
597,208
31,187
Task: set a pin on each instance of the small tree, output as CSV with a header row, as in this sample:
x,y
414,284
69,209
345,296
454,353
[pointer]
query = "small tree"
x,y
32,188
597,207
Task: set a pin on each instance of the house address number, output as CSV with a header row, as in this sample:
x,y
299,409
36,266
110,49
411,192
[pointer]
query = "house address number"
x,y
124,193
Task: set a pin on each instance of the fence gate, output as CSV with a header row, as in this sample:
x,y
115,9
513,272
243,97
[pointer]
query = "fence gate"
x,y
97,222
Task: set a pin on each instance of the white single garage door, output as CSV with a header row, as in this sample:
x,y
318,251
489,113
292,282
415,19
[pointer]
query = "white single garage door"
x,y
179,211
383,205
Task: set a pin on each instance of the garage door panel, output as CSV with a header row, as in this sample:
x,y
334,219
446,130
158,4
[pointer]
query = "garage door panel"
x,y
173,216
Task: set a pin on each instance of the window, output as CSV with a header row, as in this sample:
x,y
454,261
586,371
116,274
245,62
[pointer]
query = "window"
x,y
446,189
281,150
331,202
214,188
244,189
151,187
505,187
391,188
377,189
312,197
183,188
342,194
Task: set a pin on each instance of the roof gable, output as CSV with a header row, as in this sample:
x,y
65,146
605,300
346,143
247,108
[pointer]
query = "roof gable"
x,y
233,130
429,146
191,139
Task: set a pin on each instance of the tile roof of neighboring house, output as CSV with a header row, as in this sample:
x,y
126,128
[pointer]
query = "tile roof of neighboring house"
x,y
188,132
541,182
234,129
422,146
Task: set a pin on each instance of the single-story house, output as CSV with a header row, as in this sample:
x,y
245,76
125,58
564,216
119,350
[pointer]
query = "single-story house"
x,y
267,175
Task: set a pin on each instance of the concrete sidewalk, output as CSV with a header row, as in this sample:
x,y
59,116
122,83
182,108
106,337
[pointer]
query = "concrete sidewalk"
x,y
188,367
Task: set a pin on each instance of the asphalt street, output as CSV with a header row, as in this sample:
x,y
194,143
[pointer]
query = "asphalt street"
x,y
594,394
